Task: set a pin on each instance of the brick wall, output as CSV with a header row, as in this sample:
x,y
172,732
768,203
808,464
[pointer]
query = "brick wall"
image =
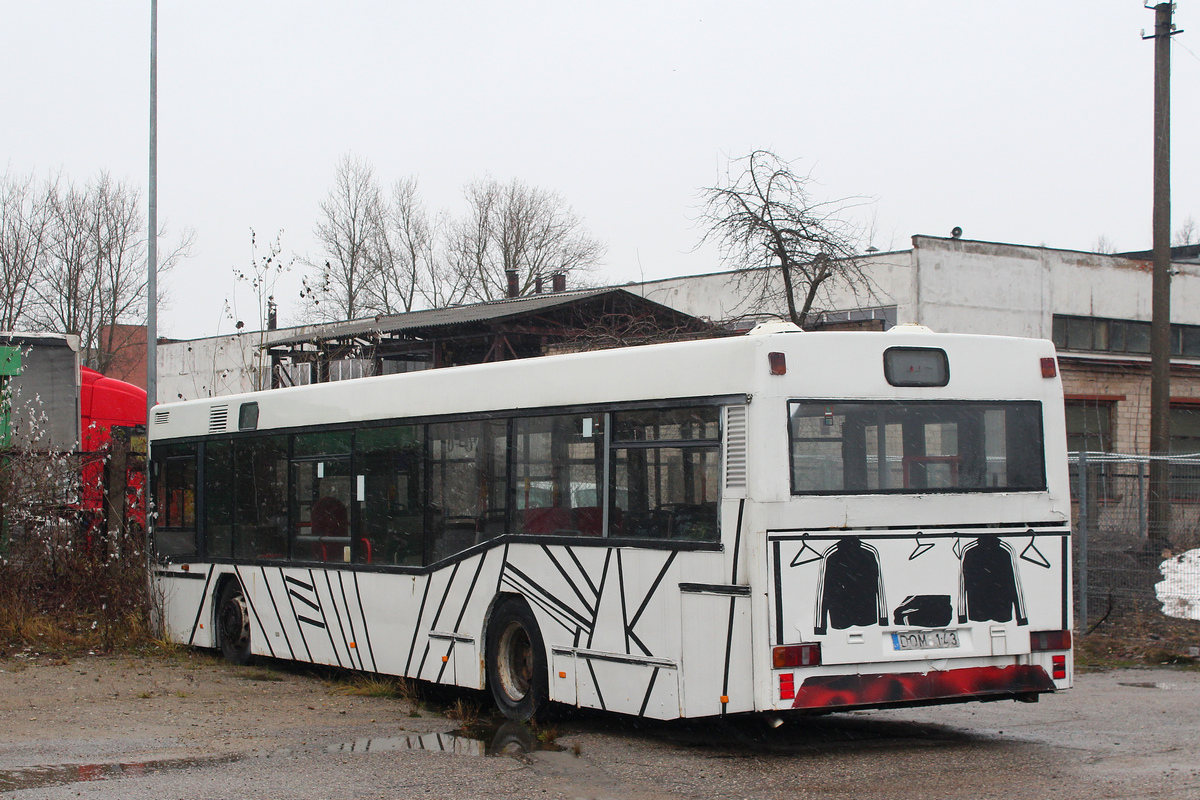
x,y
1126,385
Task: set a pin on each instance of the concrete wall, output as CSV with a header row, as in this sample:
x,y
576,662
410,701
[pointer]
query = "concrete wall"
x,y
978,287
218,365
983,287
725,296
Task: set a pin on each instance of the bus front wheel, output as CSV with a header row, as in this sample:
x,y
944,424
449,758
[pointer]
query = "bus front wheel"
x,y
516,661
233,623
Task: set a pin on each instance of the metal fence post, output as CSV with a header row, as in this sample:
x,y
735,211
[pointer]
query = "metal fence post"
x,y
1081,535
1142,520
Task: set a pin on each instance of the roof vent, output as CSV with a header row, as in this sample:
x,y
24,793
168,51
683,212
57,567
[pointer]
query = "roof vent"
x,y
162,417
775,327
909,327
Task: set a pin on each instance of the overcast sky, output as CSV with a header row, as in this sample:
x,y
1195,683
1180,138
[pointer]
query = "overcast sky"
x,y
1022,121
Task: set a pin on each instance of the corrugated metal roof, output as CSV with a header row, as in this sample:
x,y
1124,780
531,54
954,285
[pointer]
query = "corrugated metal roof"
x,y
455,315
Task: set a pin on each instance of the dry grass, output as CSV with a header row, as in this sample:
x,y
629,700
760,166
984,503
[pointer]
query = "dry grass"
x,y
464,712
256,674
1138,639
364,685
31,627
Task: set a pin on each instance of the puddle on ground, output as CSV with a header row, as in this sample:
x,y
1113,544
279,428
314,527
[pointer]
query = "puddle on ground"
x,y
12,780
1148,685
510,739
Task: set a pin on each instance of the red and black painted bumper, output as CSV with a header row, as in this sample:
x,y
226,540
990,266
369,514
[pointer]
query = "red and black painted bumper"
x,y
832,691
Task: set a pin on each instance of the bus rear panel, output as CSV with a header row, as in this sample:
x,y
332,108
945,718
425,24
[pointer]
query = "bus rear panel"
x,y
922,553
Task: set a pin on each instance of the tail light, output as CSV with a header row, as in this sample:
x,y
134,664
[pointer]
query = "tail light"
x,y
1042,641
1049,368
1058,667
796,655
778,363
787,686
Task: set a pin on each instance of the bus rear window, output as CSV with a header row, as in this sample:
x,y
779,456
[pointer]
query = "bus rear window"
x,y
867,447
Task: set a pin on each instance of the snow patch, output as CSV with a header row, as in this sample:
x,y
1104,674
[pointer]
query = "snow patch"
x,y
1179,590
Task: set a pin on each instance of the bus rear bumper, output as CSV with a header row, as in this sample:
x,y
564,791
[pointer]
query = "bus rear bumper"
x,y
829,692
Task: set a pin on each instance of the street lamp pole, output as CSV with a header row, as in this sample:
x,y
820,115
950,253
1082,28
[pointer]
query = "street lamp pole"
x,y
152,226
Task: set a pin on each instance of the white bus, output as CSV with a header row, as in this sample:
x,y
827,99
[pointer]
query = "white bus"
x,y
764,523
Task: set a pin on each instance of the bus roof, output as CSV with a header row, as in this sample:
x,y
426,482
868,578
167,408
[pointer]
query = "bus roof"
x,y
826,364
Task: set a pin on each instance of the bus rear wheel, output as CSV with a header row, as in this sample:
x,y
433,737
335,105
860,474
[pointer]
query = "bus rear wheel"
x,y
516,661
233,623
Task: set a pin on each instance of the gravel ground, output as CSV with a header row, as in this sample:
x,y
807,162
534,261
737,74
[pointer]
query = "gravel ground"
x,y
187,725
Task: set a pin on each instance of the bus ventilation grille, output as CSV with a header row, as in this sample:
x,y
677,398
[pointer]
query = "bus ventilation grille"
x,y
735,446
162,417
218,419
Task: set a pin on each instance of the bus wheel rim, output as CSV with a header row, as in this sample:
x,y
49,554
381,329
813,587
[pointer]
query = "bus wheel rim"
x,y
235,621
515,661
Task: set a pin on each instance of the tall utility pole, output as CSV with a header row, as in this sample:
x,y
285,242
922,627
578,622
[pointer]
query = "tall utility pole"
x,y
1160,324
152,225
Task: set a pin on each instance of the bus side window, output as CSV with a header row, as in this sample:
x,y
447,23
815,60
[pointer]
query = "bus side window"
x,y
321,491
665,473
175,527
558,469
218,499
260,497
389,463
468,487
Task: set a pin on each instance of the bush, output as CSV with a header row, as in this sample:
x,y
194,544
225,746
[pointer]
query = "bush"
x,y
66,584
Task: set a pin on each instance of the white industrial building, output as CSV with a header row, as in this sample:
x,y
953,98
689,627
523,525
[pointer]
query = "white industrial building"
x,y
1095,307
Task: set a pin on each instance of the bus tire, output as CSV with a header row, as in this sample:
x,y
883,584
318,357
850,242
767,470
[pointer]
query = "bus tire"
x,y
233,623
516,661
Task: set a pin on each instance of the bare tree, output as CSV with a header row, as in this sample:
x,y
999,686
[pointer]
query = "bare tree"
x,y
441,283
469,238
352,231
24,227
409,267
1104,245
521,228
385,256
261,276
93,273
1187,233
66,282
768,227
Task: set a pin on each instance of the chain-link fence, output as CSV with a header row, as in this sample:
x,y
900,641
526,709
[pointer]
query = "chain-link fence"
x,y
1126,568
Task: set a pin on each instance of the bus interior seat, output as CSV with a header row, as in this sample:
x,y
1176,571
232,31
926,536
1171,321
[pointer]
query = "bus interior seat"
x,y
547,521
590,520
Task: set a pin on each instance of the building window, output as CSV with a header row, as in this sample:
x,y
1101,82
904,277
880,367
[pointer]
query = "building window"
x,y
1119,336
1185,440
1089,425
1090,428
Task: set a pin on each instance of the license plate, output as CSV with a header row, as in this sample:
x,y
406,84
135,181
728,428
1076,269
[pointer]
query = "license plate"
x,y
925,640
